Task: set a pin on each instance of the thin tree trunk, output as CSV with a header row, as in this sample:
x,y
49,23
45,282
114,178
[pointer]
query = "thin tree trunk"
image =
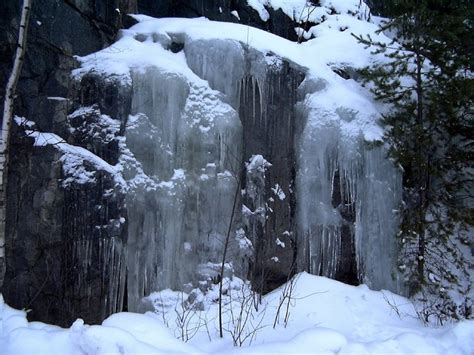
x,y
224,254
422,185
6,123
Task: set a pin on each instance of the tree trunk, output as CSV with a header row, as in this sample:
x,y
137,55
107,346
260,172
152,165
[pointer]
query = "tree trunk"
x,y
224,254
6,123
421,172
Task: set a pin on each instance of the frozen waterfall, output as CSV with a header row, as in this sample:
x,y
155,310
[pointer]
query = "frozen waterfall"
x,y
186,140
207,105
348,197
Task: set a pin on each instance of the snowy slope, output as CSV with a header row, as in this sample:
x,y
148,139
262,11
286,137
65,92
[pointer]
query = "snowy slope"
x,y
325,317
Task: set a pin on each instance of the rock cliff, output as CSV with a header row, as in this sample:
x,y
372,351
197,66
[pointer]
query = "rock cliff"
x,y
125,178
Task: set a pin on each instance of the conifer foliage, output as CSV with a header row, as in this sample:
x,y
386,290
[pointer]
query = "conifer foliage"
x,y
427,80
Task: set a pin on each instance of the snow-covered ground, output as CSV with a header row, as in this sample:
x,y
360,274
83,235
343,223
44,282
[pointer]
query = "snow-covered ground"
x,y
324,317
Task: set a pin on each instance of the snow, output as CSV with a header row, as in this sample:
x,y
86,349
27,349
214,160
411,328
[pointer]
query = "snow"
x,y
257,163
235,14
278,191
303,11
73,164
259,6
244,243
335,36
145,45
325,317
279,243
57,98
72,158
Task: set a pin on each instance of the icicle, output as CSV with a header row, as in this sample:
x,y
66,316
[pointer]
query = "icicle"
x,y
369,187
166,209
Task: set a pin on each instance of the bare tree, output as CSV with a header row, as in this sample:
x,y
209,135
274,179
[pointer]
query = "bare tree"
x,y
6,123
285,297
245,321
224,254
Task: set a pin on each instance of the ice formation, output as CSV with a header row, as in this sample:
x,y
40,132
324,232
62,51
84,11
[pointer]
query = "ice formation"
x,y
348,195
185,139
225,114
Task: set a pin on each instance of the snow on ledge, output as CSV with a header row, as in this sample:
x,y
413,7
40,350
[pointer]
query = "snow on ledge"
x,y
73,157
303,10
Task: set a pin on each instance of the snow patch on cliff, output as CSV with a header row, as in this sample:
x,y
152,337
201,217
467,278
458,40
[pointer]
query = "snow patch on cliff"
x,y
306,11
79,164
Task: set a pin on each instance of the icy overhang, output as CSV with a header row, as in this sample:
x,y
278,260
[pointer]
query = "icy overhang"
x,y
159,42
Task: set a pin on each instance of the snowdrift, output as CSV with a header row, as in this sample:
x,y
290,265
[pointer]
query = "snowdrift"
x,y
325,316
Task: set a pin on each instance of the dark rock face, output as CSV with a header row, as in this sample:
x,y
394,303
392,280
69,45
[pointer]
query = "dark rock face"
x,y
64,244
60,262
347,266
113,98
220,10
66,238
52,43
34,242
269,129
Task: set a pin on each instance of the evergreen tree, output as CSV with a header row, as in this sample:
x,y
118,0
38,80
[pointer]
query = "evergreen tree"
x,y
427,79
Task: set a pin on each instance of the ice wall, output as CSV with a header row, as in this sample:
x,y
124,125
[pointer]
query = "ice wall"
x,y
207,100
205,108
186,143
262,86
185,148
348,196
324,202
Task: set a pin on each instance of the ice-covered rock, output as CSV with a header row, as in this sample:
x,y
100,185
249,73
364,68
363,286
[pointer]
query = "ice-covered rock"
x,y
208,97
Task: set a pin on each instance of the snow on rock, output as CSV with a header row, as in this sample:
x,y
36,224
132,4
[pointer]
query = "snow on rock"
x,y
147,44
278,191
279,243
235,14
257,163
75,159
259,6
306,11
